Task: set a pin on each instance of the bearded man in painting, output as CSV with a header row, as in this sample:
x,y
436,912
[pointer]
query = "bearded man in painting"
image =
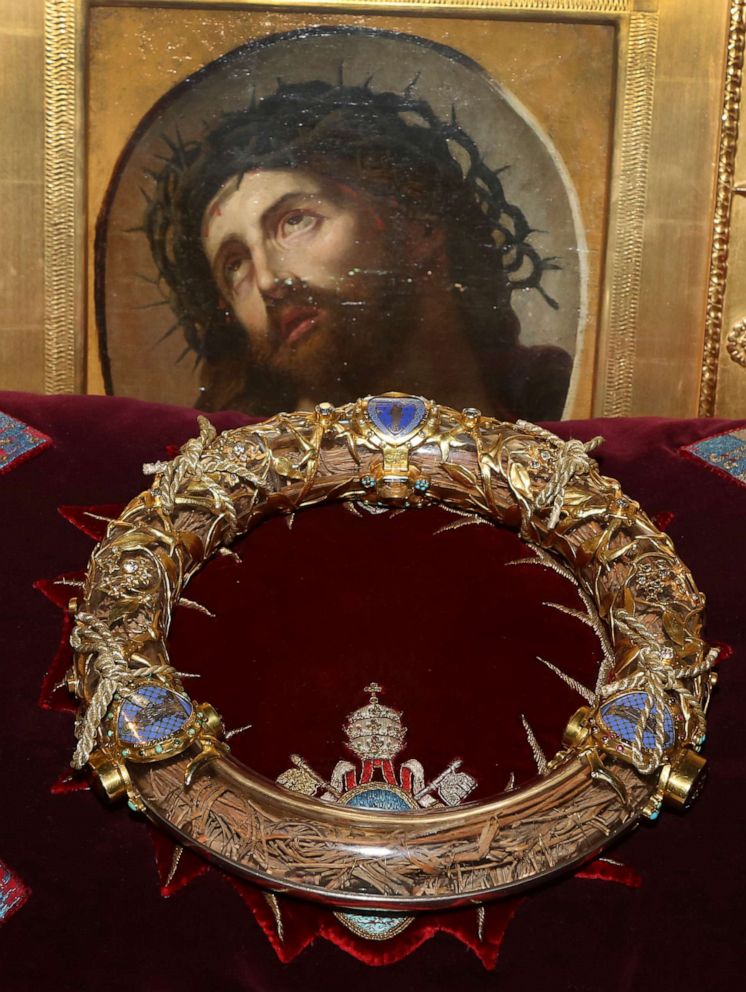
x,y
329,241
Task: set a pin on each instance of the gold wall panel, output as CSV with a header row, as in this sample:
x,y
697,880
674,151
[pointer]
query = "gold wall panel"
x,y
680,205
22,193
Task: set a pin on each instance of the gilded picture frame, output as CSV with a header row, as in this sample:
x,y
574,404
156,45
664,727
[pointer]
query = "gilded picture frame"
x,y
659,265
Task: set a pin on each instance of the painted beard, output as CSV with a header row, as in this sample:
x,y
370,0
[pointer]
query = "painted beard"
x,y
331,346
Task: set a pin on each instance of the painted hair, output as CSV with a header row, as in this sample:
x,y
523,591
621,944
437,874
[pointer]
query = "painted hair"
x,y
388,144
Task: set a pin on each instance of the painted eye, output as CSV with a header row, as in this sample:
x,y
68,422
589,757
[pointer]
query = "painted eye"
x,y
235,267
297,222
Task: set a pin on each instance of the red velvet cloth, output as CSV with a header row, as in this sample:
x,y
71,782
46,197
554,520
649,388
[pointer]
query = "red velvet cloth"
x,y
307,619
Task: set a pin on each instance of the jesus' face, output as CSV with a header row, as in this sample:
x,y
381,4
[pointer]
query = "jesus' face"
x,y
314,273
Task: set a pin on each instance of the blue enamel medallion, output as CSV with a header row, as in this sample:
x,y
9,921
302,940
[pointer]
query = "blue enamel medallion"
x,y
377,926
395,417
385,799
621,714
152,713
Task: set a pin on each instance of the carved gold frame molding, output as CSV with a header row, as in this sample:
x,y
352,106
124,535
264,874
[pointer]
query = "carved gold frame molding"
x,y
677,100
723,389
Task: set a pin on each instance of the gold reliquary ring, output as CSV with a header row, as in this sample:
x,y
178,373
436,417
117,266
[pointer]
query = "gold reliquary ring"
x,y
632,748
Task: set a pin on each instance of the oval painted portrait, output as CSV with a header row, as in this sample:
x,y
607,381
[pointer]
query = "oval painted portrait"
x,y
331,212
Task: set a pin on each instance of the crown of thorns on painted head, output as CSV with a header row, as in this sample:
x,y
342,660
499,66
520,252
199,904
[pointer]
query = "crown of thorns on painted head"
x,y
386,143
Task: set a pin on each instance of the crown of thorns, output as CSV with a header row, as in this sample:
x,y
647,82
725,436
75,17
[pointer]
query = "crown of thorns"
x,y
394,144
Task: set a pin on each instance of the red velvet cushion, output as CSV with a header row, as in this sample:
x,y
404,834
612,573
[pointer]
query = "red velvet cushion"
x,y
444,623
309,617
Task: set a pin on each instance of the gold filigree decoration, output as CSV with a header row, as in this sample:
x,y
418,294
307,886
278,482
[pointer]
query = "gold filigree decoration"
x,y
736,343
538,755
274,905
635,745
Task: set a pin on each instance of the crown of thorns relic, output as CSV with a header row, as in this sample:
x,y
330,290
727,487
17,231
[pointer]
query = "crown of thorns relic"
x,y
635,745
